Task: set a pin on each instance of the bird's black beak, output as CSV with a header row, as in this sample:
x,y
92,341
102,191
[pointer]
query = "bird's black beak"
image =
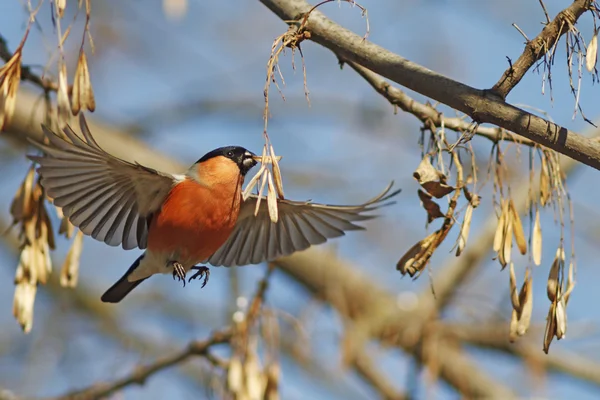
x,y
248,161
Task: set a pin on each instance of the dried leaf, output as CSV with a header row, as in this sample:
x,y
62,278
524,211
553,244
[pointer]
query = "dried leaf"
x,y
592,52
272,199
83,93
526,302
473,199
409,263
518,229
69,273
432,208
464,230
536,240
431,179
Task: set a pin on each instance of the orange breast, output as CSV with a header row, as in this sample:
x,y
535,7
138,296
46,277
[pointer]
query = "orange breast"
x,y
195,220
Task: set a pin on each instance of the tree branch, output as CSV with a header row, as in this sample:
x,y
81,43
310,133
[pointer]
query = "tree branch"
x,y
482,105
536,48
427,114
140,374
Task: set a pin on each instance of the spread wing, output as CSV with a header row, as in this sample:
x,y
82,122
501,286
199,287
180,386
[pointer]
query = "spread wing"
x,y
109,199
301,224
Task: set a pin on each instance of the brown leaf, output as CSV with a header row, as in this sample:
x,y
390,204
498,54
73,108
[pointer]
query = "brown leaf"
x,y
432,208
82,95
518,229
431,179
411,262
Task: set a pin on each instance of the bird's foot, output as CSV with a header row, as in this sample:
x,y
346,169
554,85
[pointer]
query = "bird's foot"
x,y
200,272
179,272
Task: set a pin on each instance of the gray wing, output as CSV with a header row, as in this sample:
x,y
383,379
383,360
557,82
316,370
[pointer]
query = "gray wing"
x,y
109,199
301,224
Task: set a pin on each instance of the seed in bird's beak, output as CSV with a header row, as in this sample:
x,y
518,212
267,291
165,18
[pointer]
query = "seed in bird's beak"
x,y
267,159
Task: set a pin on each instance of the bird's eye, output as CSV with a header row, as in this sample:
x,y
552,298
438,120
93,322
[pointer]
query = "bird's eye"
x,y
230,153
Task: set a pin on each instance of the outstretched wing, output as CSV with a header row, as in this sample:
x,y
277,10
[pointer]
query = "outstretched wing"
x,y
301,224
109,199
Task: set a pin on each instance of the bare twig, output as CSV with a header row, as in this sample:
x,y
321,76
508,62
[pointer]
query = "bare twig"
x,y
139,375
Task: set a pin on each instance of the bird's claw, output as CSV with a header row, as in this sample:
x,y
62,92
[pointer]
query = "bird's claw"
x,y
201,271
179,272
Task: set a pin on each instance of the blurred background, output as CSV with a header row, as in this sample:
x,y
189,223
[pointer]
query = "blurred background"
x,y
187,83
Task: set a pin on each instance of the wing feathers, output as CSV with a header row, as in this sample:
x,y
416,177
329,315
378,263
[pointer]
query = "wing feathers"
x,y
108,198
301,224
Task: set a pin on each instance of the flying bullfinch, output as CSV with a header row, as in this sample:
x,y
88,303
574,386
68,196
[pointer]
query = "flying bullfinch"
x,y
182,220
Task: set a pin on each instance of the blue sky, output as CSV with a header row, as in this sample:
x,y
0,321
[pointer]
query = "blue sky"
x,y
211,67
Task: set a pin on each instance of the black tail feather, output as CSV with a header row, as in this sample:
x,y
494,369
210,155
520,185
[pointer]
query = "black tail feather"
x,y
122,287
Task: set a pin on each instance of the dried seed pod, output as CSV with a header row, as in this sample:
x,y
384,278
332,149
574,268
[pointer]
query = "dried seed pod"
x,y
536,240
62,97
545,189
518,229
235,378
272,199
411,262
69,273
592,53
464,230
277,174
552,287
526,302
506,251
514,324
570,282
561,317
514,296
550,331
82,95
499,236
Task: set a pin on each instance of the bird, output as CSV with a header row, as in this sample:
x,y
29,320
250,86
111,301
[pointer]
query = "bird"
x,y
181,220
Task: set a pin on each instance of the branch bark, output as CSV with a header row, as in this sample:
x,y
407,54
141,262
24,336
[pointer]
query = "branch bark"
x,y
484,106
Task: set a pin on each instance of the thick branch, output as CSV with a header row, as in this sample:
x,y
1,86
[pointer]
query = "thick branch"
x,y
542,44
481,105
427,113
